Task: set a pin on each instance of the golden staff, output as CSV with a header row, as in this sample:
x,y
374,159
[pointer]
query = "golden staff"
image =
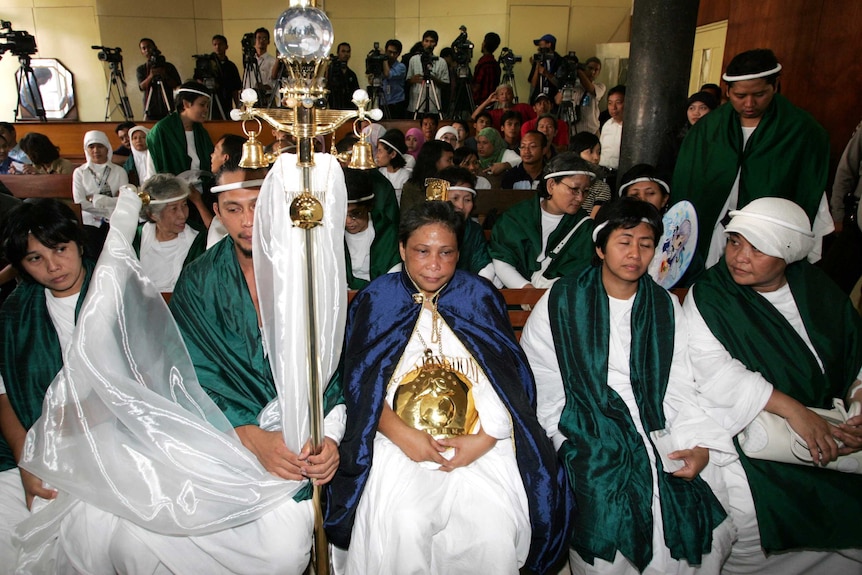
x,y
303,36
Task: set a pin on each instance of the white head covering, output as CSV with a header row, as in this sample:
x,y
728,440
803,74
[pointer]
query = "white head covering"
x,y
775,226
446,130
97,137
140,157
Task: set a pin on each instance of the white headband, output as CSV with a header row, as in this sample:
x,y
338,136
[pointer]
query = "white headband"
x,y
570,173
193,91
463,189
390,146
362,199
169,200
603,225
645,179
248,184
743,77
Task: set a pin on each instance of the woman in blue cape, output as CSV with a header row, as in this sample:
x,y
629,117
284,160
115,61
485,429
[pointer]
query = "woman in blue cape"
x,y
444,466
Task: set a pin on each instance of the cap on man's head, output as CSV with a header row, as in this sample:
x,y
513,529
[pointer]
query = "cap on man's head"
x,y
775,226
541,96
549,38
752,64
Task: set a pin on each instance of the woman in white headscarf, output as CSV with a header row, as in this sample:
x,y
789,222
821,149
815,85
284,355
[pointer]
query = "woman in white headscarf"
x,y
138,161
95,186
770,332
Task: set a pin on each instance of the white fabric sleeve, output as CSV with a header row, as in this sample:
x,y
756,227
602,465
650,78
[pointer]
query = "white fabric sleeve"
x,y
689,424
537,342
335,423
823,226
79,190
510,276
730,393
487,272
512,158
2,386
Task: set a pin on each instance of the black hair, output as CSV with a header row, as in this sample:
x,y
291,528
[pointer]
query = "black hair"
x,y
395,137
542,137
464,123
345,144
338,48
456,175
39,148
396,43
220,37
431,34
462,154
430,212
618,89
182,98
8,127
592,59
50,221
752,62
626,213
484,114
426,161
547,117
492,41
231,144
264,30
150,40
645,171
583,141
511,115
447,53
430,117
562,162
123,126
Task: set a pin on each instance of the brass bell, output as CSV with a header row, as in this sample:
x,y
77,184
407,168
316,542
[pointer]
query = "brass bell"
x,y
362,156
253,155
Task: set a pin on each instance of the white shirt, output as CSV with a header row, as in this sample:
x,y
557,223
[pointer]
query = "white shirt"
x,y
162,262
611,139
359,246
397,179
62,312
439,70
96,192
265,64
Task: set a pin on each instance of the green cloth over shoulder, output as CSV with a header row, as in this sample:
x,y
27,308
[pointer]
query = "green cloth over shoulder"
x,y
787,156
167,145
30,354
474,255
385,217
517,240
604,456
797,506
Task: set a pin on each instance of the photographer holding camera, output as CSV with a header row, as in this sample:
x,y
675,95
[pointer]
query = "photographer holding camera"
x,y
544,67
228,83
425,67
394,74
157,79
341,80
261,67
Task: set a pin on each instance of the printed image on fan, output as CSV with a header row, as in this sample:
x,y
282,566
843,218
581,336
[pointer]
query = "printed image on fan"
x,y
676,246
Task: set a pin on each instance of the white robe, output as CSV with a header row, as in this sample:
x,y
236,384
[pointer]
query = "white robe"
x,y
733,396
413,518
690,426
162,262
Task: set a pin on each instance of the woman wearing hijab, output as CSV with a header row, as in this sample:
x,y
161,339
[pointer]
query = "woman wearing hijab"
x,y
494,156
179,142
95,186
415,139
138,162
699,105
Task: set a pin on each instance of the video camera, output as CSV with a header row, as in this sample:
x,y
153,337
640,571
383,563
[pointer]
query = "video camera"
x,y
462,47
207,70
567,73
110,55
248,51
157,59
374,61
19,42
508,59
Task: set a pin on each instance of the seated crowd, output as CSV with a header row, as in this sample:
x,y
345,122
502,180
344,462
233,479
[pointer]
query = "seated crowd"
x,y
616,436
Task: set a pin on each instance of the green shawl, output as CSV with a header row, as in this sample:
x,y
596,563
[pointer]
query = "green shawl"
x,y
787,156
167,145
384,248
474,254
215,313
604,455
30,354
797,506
517,240
499,144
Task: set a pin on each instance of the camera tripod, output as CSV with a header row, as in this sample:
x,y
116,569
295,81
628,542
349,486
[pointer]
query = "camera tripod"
x,y
427,96
117,93
378,95
569,112
508,79
25,76
157,88
463,98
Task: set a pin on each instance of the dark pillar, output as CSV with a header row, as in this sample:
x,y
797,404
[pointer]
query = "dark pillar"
x,y
659,69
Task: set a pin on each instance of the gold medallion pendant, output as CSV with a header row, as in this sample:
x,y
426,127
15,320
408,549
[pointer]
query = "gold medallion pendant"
x,y
436,398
